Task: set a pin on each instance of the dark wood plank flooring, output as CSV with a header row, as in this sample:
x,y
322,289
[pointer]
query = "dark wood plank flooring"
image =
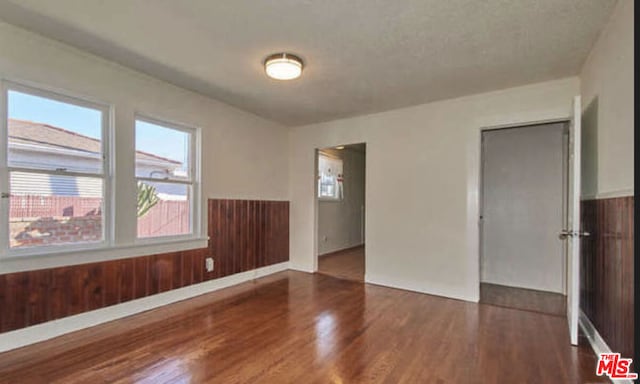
x,y
294,327
347,264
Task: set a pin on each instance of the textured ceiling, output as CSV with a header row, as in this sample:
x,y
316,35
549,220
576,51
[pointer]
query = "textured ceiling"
x,y
362,56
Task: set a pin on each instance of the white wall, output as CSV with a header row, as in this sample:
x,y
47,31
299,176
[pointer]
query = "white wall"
x,y
243,156
340,222
606,83
523,194
421,184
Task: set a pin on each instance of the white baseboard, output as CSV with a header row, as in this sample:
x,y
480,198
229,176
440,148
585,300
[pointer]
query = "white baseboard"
x,y
408,286
596,341
341,249
609,194
40,332
300,268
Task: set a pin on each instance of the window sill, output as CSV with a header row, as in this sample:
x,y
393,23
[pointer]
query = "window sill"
x,y
329,200
48,259
144,241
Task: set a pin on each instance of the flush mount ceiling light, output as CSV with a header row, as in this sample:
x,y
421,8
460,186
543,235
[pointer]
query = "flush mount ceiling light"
x,y
283,66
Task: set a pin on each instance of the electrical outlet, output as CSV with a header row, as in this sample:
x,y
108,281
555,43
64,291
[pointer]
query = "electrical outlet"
x,y
325,238
208,263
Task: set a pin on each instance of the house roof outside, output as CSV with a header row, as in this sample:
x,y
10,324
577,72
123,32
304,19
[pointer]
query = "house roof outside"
x,y
47,136
38,142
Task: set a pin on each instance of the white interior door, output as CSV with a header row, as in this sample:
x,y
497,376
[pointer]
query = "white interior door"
x,y
523,207
572,233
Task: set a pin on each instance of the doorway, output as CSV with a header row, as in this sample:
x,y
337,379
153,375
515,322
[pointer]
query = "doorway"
x,y
523,204
340,199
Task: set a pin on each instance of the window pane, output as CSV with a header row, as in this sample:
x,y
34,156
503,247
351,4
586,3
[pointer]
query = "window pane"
x,y
162,152
49,210
48,134
163,209
329,176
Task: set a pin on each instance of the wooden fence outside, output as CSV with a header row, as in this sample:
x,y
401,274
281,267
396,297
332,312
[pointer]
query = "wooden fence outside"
x,y
168,217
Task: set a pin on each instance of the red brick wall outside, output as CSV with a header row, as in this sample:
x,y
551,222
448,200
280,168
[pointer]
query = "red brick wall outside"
x,y
55,230
43,220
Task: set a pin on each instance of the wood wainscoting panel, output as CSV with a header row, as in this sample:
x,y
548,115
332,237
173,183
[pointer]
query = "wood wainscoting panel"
x,y
607,270
244,235
248,234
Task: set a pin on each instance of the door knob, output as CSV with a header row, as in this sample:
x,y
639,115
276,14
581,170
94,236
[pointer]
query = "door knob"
x,y
564,234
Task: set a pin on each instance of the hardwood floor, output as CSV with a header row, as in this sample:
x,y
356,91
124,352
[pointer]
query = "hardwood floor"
x,y
294,327
525,299
347,264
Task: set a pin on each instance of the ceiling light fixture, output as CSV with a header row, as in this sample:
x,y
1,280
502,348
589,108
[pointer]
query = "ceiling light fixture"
x,y
283,66
340,147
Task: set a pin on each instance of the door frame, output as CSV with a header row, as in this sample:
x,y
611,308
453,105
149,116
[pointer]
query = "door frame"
x,y
480,188
316,204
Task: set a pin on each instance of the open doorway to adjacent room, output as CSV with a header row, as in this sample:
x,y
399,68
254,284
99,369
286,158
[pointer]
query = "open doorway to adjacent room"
x,y
340,197
523,263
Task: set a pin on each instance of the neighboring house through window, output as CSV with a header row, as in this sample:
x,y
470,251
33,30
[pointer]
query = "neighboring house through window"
x,y
57,167
58,176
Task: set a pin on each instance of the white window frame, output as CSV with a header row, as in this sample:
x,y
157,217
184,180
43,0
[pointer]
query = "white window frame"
x,y
107,170
327,198
193,180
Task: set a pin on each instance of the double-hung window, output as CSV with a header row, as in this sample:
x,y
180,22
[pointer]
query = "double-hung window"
x,y
55,166
166,178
